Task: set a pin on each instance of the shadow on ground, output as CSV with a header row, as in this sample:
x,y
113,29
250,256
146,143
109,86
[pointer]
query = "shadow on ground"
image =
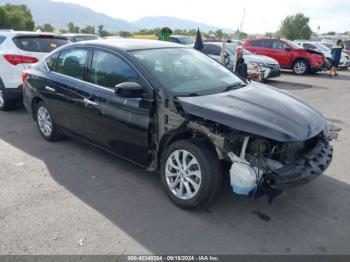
x,y
313,219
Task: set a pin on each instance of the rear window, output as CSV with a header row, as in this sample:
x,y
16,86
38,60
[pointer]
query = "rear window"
x,y
2,39
42,44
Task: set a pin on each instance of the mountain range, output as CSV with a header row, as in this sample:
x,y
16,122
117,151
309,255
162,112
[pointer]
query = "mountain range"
x,y
59,14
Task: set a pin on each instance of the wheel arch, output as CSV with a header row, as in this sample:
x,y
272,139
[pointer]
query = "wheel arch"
x,y
186,134
35,101
300,58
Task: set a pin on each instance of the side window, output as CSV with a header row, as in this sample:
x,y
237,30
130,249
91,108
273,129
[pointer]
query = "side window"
x,y
72,63
2,39
51,61
212,50
261,43
109,70
278,45
174,40
309,46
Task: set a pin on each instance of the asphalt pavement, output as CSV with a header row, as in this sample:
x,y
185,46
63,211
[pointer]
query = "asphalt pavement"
x,y
70,198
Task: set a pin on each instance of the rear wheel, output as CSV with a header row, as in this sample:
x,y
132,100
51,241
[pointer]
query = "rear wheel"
x,y
300,67
46,125
191,173
6,104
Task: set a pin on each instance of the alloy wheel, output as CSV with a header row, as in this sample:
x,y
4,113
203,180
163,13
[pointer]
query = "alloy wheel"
x,y
44,121
183,174
300,67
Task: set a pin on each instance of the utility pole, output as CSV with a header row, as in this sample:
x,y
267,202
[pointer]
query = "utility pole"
x,y
242,22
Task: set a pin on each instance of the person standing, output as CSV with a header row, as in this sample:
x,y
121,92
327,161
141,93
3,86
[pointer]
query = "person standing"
x,y
241,67
336,56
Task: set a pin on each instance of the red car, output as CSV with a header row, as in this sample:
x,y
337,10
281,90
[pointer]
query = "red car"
x,y
288,54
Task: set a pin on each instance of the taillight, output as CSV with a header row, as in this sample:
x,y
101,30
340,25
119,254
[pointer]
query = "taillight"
x,y
20,59
24,76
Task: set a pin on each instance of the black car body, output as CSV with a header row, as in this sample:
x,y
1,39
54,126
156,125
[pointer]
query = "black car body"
x,y
145,121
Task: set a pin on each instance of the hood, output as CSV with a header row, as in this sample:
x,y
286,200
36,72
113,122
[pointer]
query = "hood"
x,y
260,110
312,51
260,59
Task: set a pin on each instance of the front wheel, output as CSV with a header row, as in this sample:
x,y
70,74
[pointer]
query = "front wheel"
x,y
191,173
300,67
46,125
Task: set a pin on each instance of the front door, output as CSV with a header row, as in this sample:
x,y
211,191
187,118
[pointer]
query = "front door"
x,y
118,124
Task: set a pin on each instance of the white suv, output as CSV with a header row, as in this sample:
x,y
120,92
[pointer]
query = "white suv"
x,y
326,51
18,50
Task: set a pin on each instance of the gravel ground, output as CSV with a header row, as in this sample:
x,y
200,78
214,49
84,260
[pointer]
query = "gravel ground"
x,y
70,198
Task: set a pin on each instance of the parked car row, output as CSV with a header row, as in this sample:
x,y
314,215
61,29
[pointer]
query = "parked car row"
x,y
173,110
288,54
268,66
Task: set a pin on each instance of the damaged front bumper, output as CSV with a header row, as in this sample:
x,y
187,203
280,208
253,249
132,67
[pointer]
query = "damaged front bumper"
x,y
306,169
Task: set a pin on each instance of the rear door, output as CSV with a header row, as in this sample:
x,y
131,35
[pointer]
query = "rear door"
x,y
118,124
260,47
65,87
37,46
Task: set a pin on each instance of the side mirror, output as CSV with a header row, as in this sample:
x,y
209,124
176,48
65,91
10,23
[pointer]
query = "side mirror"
x,y
129,90
288,49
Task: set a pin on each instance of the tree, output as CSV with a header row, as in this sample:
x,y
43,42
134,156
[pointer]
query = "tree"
x,y
102,32
16,17
45,28
72,28
296,27
218,33
88,30
125,34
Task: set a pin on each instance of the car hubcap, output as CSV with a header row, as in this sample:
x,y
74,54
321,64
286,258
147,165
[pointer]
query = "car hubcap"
x,y
2,101
44,121
183,174
300,67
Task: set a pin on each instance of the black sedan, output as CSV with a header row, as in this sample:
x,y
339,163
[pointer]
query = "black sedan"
x,y
172,109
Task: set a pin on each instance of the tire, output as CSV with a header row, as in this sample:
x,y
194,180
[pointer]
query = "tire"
x,y
328,64
300,67
6,104
205,171
45,123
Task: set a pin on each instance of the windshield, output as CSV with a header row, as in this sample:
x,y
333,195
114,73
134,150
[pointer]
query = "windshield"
x,y
231,48
186,40
185,71
322,47
246,52
292,44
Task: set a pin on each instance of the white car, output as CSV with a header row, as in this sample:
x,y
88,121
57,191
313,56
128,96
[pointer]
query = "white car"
x,y
325,49
18,50
268,66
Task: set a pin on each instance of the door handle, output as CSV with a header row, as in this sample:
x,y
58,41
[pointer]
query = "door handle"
x,y
47,88
88,102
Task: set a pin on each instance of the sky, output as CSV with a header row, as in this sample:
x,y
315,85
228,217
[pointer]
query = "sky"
x,y
260,16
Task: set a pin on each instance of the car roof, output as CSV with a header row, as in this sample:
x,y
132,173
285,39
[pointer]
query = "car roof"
x,y
27,33
131,44
78,34
180,36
